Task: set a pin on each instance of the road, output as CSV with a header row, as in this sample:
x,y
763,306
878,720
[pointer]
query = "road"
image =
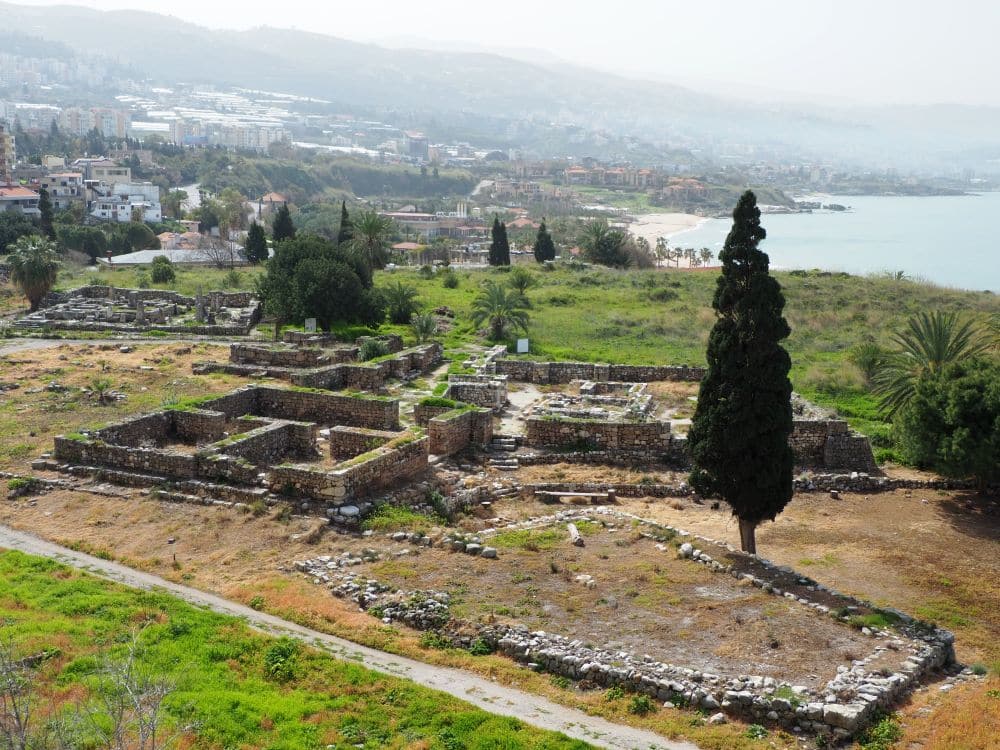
x,y
483,693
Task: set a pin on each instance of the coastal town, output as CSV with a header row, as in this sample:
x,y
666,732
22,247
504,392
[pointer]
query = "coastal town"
x,y
371,395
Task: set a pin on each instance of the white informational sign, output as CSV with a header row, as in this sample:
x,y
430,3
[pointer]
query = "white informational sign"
x,y
310,325
522,346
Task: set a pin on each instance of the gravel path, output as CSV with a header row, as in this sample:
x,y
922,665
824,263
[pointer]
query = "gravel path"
x,y
483,693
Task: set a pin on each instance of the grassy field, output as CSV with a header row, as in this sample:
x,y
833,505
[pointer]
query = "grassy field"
x,y
664,317
231,686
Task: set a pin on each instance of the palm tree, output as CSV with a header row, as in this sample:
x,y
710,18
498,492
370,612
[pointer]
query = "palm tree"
x,y
521,280
503,308
401,301
706,256
424,326
371,237
930,341
34,267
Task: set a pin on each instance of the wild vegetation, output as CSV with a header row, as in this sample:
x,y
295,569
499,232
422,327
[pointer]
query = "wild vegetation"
x,y
201,679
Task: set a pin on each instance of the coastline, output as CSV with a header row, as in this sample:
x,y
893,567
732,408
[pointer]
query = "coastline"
x,y
669,225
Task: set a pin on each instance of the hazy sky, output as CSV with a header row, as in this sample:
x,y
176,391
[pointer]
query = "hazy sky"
x,y
896,51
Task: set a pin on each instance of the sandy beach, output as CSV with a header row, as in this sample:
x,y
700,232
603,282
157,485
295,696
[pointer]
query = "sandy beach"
x,y
653,226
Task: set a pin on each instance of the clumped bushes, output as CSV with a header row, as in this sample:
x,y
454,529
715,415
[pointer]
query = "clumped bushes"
x,y
162,270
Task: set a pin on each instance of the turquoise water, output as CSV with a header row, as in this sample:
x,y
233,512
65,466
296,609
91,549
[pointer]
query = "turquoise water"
x,y
951,241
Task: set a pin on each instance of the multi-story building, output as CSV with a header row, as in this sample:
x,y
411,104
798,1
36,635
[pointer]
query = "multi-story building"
x,y
99,169
7,155
65,189
16,198
124,201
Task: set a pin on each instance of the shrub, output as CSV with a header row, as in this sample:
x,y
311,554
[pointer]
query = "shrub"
x,y
881,735
756,732
640,705
142,280
162,270
433,639
233,279
979,670
426,272
560,681
281,660
614,693
258,508
256,602
480,647
449,279
372,348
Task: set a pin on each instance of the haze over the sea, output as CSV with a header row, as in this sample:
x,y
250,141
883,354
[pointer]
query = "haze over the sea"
x,y
949,241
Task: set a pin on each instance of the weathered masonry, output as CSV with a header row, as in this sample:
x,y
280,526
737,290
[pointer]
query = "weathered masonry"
x,y
332,369
108,308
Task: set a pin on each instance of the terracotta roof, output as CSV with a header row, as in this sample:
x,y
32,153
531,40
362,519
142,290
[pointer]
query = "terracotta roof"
x,y
407,246
274,198
17,192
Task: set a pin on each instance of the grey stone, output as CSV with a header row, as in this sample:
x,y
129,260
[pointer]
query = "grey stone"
x,y
718,718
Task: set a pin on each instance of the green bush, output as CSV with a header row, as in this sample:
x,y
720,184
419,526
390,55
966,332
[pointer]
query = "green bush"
x,y
162,270
449,279
256,602
756,732
881,735
281,660
640,705
614,693
480,647
372,349
433,639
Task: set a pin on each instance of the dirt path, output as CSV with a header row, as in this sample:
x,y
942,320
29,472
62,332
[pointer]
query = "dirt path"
x,y
485,694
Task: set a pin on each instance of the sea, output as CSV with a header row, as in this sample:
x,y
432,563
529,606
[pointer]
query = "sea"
x,y
951,241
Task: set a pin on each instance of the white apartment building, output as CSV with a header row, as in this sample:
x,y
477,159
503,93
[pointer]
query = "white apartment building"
x,y
121,201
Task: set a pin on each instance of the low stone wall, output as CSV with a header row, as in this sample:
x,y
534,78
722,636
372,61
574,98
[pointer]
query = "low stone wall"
x,y
829,443
146,460
423,414
271,442
650,439
457,429
327,408
193,425
255,354
551,373
348,442
480,390
357,478
147,429
849,451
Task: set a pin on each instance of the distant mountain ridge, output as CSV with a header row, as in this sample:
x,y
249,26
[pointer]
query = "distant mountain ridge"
x,y
443,84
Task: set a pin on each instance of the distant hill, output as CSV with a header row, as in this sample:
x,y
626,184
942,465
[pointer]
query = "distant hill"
x,y
487,89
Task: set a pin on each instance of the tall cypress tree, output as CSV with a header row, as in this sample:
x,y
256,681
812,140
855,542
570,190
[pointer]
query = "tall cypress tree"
x,y
503,246
283,228
494,256
45,207
346,231
256,248
545,248
739,435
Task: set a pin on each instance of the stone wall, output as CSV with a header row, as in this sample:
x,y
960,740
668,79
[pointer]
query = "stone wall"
x,y
348,442
328,408
550,373
146,429
255,354
199,425
422,413
479,390
648,439
828,443
457,429
273,441
361,476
